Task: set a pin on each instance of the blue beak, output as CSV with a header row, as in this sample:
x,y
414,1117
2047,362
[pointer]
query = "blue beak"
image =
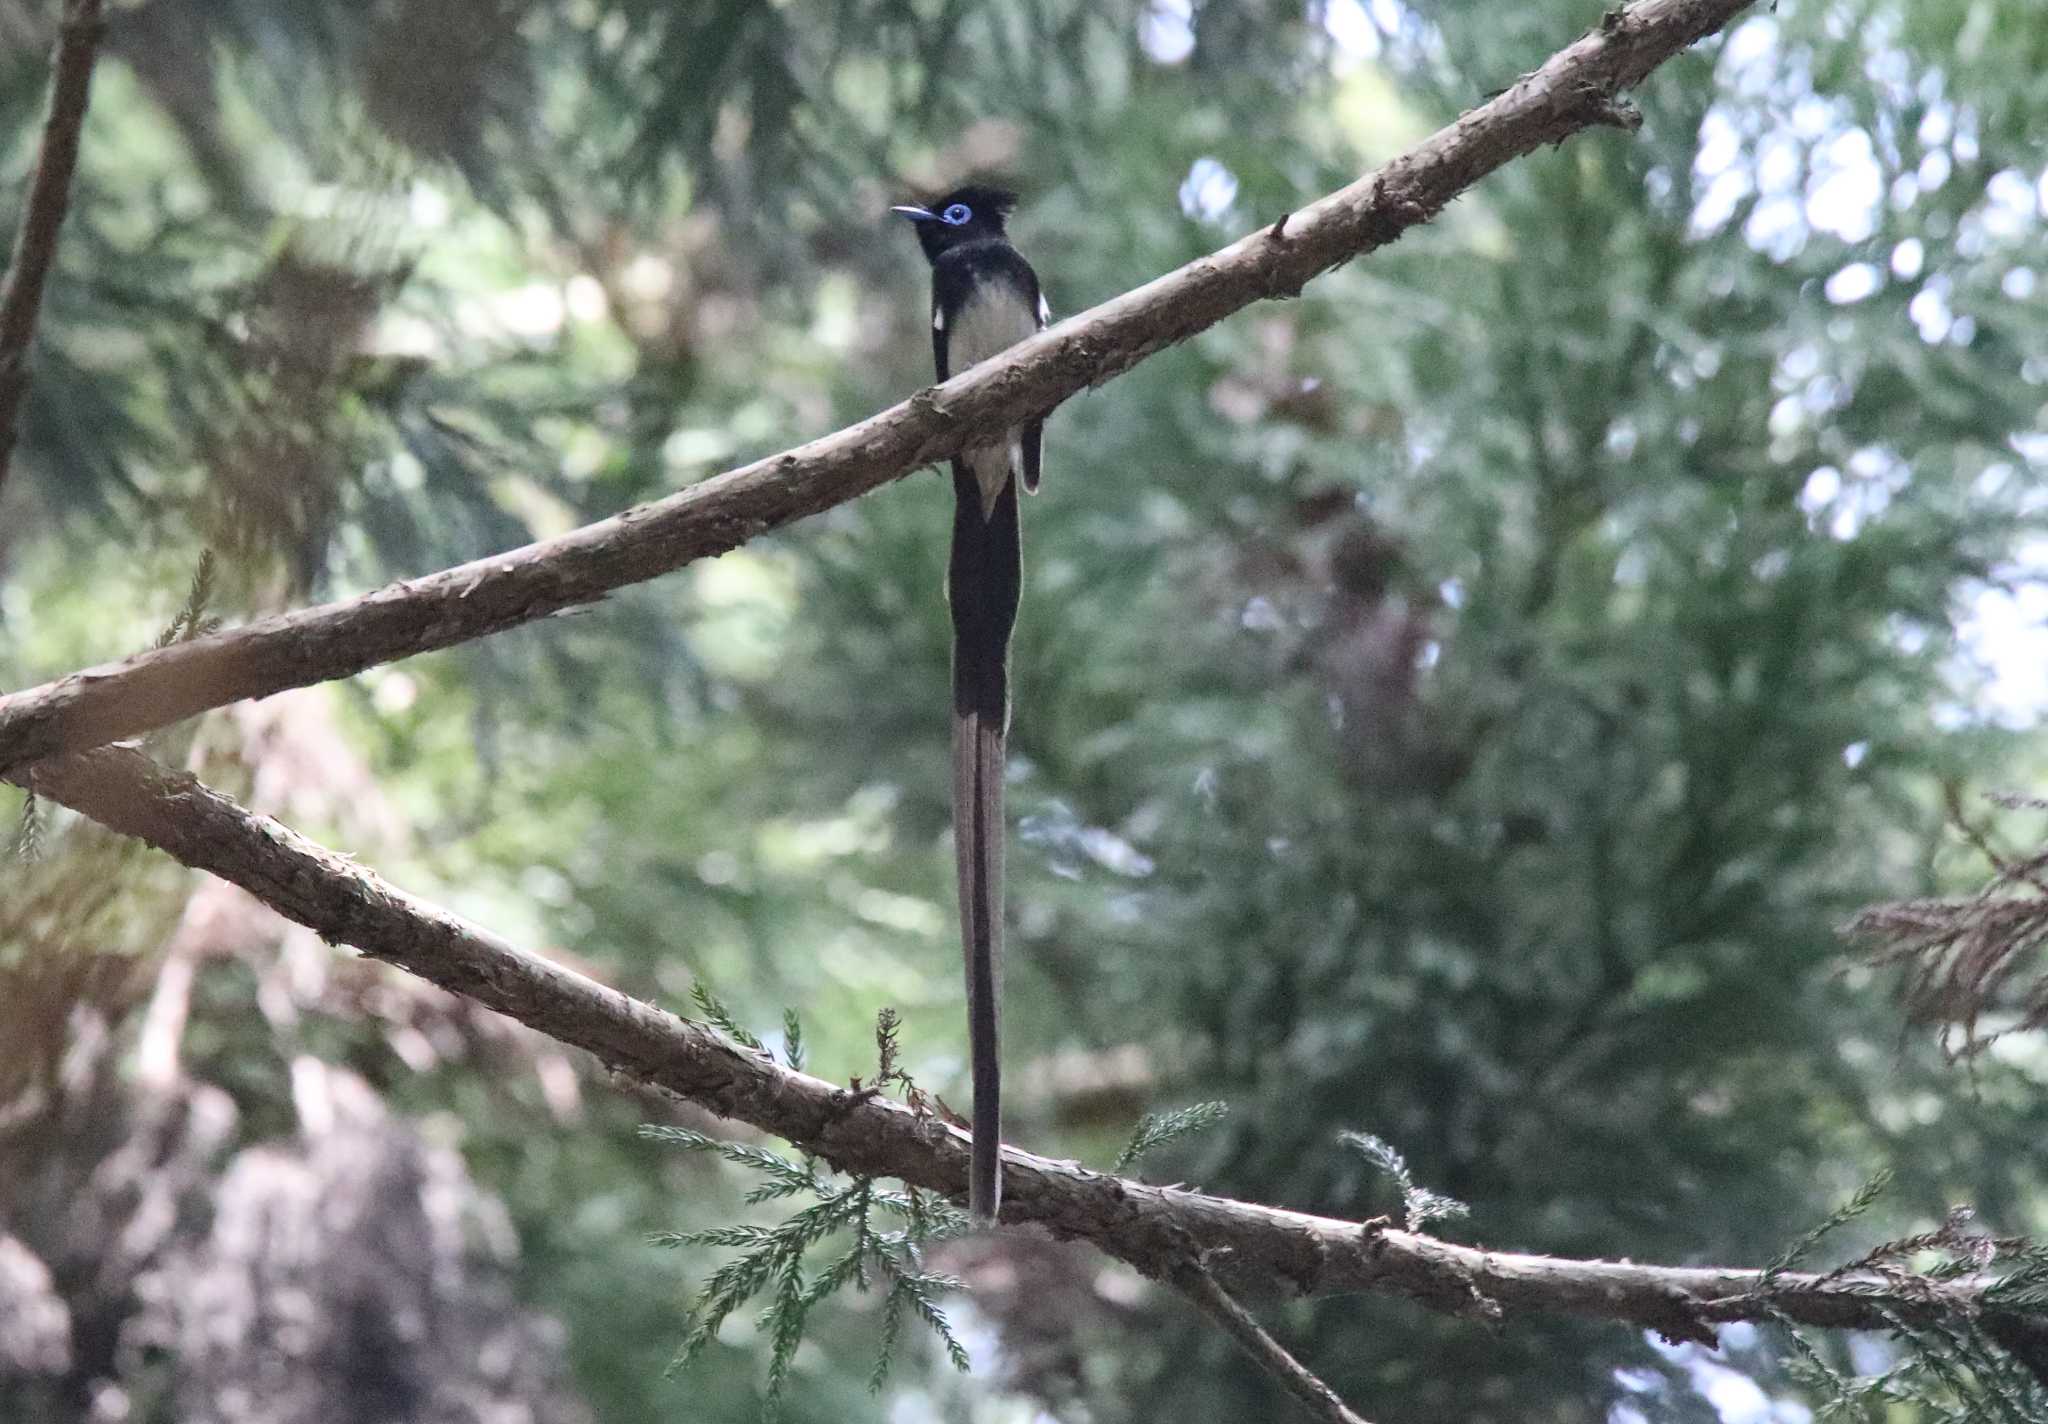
x,y
916,214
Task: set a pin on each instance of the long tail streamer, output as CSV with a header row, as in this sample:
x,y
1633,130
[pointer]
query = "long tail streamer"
x,y
982,586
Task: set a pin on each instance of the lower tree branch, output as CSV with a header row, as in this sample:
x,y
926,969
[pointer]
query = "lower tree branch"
x,y
1195,1282
1575,89
49,195
1158,1230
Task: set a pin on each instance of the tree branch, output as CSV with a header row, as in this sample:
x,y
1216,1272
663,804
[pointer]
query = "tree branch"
x,y
1158,1230
1574,90
49,194
1212,1300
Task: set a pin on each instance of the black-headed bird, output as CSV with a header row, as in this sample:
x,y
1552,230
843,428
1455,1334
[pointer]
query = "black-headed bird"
x,y
985,298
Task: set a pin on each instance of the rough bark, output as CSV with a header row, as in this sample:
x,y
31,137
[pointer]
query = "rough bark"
x,y
1577,88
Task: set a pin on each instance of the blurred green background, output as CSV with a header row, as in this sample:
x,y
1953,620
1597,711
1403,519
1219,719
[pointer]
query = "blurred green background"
x,y
1456,705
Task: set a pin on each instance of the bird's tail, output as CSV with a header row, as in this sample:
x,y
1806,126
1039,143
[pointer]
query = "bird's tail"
x,y
982,586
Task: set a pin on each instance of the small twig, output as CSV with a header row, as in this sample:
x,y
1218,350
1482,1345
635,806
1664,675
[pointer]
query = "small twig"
x,y
1980,841
1193,1280
49,194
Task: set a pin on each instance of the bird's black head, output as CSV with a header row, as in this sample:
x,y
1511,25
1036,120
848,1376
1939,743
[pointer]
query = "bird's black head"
x,y
963,215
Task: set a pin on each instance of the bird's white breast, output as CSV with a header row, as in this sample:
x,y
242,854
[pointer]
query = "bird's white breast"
x,y
992,319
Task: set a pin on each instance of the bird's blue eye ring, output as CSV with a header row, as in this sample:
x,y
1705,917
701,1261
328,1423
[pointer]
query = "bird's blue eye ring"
x,y
957,214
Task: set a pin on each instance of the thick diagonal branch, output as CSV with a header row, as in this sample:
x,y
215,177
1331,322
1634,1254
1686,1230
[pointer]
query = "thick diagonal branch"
x,y
49,195
1158,1230
1576,89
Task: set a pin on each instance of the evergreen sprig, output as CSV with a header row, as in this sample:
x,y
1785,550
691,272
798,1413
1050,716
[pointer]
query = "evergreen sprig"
x,y
1155,1130
28,831
888,1048
1859,1202
772,1258
792,1040
1947,1372
720,1018
192,620
1950,1369
1419,1205
784,1177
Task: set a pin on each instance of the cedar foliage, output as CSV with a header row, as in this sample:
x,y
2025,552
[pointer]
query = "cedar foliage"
x,y
1458,704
